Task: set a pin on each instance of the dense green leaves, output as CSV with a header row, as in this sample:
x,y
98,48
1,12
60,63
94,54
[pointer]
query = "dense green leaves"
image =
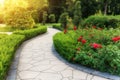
x,y
102,21
9,44
32,32
104,55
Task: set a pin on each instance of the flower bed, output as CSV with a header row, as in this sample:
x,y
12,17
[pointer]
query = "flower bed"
x,y
98,49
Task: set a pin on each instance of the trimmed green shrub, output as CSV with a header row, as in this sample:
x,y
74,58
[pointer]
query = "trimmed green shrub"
x,y
3,36
57,26
98,49
8,46
10,43
32,32
102,21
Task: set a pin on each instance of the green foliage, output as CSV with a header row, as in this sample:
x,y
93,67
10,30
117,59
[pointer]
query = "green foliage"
x,y
19,18
7,49
57,7
3,36
7,29
9,44
52,18
90,7
57,26
77,13
44,17
32,32
63,19
102,21
1,18
106,58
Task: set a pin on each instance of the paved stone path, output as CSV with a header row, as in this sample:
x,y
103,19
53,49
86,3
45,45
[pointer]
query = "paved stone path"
x,y
39,61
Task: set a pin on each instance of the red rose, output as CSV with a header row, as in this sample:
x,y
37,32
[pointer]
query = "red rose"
x,y
78,49
94,27
65,31
83,41
75,28
80,38
95,45
115,39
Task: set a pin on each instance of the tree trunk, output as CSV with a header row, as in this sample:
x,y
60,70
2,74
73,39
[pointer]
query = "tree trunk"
x,y
105,7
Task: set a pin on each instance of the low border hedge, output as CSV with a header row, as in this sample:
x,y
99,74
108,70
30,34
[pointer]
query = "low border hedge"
x,y
10,43
32,32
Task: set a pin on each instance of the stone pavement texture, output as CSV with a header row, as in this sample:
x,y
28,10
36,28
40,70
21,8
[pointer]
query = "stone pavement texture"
x,y
37,59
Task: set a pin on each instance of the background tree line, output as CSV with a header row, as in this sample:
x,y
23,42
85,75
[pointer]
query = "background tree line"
x,y
51,10
88,7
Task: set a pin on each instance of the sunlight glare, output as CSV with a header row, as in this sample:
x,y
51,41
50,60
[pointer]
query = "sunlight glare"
x,y
2,2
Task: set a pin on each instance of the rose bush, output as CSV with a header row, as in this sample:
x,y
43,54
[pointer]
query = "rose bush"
x,y
94,48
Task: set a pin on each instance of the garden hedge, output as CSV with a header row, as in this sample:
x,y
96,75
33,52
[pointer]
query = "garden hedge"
x,y
97,49
32,32
102,21
57,26
10,43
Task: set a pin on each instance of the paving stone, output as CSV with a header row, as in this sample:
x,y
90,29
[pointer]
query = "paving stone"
x,y
65,79
28,74
49,76
67,73
56,62
49,71
25,60
24,67
59,67
89,77
79,74
40,68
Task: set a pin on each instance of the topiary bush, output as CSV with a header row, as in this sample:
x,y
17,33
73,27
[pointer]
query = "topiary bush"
x,y
102,21
63,20
97,49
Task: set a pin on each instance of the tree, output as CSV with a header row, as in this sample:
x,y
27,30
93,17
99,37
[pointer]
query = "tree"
x,y
77,13
17,14
38,6
45,15
19,18
110,6
89,7
52,18
56,7
69,7
63,19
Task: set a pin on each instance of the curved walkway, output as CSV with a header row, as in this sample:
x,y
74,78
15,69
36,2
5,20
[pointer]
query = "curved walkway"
x,y
38,60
